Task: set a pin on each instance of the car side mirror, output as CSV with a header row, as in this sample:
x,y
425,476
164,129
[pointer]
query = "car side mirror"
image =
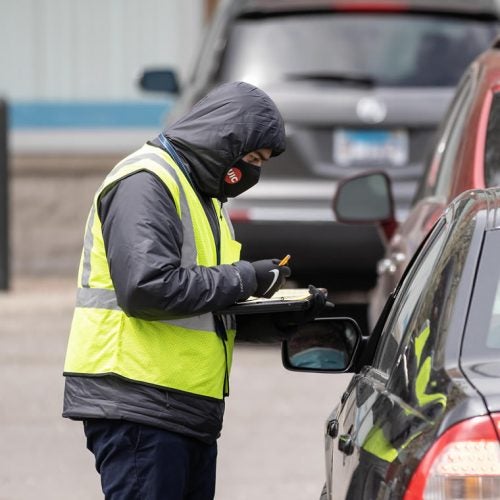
x,y
322,345
366,199
159,80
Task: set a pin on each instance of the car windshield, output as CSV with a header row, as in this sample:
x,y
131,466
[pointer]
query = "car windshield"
x,y
354,49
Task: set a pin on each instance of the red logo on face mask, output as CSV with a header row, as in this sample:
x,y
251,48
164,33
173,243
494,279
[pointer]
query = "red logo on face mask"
x,y
233,175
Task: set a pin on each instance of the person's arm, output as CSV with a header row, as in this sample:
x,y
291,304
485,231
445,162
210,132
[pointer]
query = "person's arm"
x,y
143,240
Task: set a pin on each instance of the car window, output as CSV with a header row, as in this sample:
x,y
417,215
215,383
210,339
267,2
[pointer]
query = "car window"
x,y
440,173
427,186
492,149
454,141
493,336
410,299
482,341
353,47
421,325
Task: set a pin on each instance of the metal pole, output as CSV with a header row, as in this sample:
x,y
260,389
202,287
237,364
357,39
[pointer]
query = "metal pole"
x,y
4,200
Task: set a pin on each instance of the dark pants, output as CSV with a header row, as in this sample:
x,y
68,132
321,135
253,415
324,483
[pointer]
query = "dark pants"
x,y
136,461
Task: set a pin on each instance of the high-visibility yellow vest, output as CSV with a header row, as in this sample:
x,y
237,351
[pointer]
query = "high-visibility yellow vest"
x,y
184,354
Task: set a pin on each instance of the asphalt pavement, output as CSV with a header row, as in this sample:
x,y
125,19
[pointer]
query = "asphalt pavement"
x,y
272,442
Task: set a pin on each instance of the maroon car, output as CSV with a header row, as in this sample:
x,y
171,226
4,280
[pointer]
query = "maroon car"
x,y
466,156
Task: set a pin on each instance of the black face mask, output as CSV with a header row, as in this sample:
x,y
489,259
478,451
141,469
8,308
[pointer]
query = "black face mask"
x,y
239,178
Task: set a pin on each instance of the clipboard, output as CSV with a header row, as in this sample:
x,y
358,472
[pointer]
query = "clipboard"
x,y
285,300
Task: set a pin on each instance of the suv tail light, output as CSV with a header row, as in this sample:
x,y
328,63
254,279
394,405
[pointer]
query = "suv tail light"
x,y
464,463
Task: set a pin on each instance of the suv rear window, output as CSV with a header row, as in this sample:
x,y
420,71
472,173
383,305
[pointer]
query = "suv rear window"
x,y
382,49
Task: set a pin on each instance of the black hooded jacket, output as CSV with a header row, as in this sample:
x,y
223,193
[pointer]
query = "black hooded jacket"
x,y
231,121
143,239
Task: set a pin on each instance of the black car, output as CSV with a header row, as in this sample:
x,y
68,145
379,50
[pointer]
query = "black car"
x,y
420,418
361,84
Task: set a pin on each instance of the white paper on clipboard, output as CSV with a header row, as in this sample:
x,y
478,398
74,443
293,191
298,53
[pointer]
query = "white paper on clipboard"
x,y
284,300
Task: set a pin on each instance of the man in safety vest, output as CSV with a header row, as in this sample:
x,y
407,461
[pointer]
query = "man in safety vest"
x,y
148,362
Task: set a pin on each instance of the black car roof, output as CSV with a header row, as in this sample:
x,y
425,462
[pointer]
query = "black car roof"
x,y
488,8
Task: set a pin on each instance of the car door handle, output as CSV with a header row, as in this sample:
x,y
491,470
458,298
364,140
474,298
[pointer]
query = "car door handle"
x,y
332,428
346,445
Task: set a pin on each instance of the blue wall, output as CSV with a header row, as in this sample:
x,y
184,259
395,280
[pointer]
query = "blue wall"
x,y
88,114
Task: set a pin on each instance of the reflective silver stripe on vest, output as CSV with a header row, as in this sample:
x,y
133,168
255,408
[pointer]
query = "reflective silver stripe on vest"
x,y
98,298
189,253
88,242
228,222
101,298
203,322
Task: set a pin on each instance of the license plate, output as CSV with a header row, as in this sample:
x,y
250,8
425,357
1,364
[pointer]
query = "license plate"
x,y
354,147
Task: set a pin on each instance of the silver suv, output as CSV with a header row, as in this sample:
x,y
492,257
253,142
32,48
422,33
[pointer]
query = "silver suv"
x,y
361,85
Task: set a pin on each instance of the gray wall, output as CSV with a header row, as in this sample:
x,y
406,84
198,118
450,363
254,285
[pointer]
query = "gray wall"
x,y
92,49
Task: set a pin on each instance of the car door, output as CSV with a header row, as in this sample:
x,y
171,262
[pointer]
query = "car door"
x,y
432,197
362,440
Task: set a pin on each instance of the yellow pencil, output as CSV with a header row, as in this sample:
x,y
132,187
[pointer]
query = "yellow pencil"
x,y
284,260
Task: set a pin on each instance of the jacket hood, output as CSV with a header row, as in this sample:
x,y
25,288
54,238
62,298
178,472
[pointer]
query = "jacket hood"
x,y
229,122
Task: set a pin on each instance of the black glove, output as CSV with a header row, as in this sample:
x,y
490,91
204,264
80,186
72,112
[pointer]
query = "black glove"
x,y
270,276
